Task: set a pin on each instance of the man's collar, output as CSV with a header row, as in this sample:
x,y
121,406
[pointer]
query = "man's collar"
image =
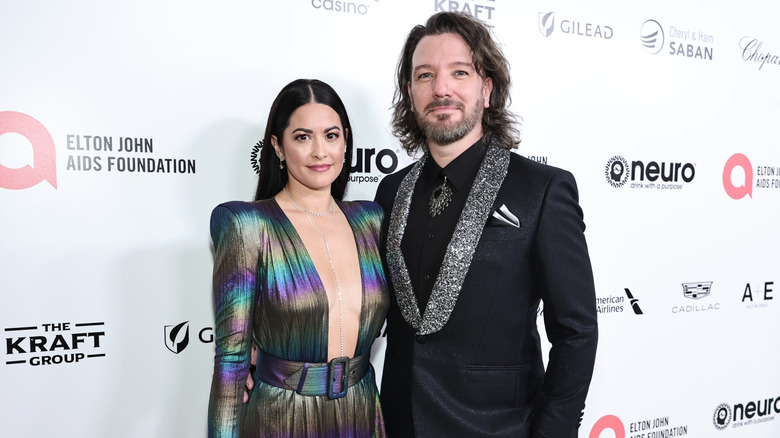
x,y
460,170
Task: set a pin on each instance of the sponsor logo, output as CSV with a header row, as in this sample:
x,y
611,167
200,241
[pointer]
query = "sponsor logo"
x,y
95,153
573,27
482,9
683,41
653,427
721,418
667,176
44,163
696,291
756,297
739,175
745,414
54,343
634,302
617,303
347,7
177,336
538,158
652,35
366,160
753,51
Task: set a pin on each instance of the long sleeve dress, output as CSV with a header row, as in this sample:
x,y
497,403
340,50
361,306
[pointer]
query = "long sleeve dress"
x,y
267,288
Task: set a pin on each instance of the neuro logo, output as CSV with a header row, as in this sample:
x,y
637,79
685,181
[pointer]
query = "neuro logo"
x,y
610,422
634,302
546,23
44,165
652,36
721,418
177,337
617,171
746,187
697,291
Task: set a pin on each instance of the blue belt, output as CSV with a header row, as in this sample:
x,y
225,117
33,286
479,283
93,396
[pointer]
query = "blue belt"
x,y
331,378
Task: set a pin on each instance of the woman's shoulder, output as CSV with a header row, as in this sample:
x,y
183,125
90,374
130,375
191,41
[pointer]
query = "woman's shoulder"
x,y
362,207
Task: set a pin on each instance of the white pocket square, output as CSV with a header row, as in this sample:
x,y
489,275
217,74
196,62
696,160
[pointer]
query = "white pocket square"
x,y
504,215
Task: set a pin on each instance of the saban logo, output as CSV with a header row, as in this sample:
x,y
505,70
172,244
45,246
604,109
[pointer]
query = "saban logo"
x,y
696,291
44,164
652,35
177,337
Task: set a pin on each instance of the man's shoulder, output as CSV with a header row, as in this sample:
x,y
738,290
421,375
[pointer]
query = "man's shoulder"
x,y
523,167
388,187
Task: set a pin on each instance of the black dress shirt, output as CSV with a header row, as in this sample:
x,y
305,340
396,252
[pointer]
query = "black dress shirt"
x,y
426,238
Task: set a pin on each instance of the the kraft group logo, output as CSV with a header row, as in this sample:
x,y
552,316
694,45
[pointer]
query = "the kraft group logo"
x,y
56,343
652,35
44,163
481,9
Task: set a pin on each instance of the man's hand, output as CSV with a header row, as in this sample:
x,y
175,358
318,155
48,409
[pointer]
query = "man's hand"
x,y
250,382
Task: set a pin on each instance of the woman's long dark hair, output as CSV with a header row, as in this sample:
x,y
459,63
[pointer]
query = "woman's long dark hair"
x,y
297,93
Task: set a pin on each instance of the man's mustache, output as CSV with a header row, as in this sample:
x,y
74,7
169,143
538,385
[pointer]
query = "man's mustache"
x,y
443,102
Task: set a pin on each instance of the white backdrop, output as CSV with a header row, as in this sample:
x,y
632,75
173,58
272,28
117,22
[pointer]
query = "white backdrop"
x,y
100,261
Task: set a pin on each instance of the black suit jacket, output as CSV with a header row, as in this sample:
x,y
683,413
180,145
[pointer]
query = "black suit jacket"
x,y
481,374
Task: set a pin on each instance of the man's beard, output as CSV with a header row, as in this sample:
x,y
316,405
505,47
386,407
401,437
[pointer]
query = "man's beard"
x,y
442,133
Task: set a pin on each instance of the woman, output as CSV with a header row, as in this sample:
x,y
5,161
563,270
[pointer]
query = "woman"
x,y
298,271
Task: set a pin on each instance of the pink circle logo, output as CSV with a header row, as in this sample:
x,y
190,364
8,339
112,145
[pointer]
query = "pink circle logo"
x,y
44,166
608,422
734,191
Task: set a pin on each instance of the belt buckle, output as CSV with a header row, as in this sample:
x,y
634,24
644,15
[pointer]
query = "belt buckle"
x,y
332,377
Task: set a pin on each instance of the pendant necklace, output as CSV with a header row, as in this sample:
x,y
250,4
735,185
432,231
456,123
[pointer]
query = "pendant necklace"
x,y
440,198
327,250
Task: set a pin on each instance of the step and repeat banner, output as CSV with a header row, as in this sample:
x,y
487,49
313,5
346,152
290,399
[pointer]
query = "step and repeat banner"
x,y
123,125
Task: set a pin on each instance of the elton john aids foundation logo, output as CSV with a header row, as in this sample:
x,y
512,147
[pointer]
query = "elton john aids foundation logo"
x,y
738,163
43,166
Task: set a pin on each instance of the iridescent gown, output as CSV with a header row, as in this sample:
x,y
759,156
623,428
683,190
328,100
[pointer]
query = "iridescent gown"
x,y
266,286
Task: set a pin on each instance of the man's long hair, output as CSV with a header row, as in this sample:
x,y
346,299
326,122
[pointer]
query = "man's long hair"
x,y
499,125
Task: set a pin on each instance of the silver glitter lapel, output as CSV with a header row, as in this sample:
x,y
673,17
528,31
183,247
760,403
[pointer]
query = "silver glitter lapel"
x,y
460,250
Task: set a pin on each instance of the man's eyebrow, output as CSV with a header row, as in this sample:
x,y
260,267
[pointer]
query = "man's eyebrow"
x,y
452,64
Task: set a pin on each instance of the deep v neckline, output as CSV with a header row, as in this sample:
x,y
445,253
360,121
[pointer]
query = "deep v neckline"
x,y
298,242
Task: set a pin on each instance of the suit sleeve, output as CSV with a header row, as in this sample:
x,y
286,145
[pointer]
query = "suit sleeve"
x,y
234,282
567,290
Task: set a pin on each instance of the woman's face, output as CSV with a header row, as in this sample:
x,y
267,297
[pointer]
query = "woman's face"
x,y
312,146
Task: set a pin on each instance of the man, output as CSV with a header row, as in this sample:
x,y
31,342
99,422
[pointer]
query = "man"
x,y
475,237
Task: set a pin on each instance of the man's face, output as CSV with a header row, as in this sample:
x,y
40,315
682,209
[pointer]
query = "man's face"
x,y
448,94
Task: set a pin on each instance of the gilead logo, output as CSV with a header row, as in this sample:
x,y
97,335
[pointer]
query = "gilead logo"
x,y
735,191
44,166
